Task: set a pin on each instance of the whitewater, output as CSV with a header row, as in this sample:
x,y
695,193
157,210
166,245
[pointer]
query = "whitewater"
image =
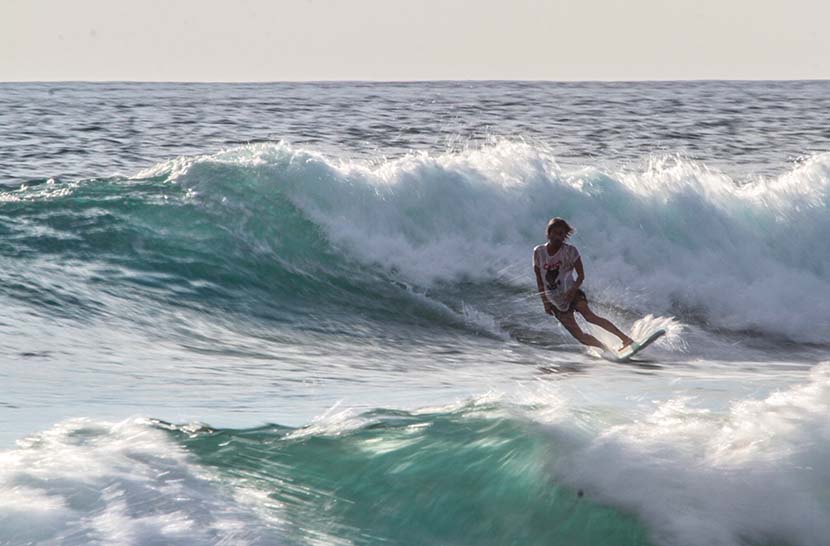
x,y
306,314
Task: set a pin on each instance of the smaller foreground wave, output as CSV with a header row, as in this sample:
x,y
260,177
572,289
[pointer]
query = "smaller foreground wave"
x,y
534,469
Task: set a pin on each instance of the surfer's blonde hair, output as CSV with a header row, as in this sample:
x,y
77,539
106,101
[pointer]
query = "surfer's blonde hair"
x,y
559,222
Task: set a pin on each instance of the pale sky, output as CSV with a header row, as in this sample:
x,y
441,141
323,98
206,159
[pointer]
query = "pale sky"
x,y
290,40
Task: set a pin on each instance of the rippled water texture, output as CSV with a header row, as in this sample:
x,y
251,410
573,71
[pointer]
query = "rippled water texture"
x,y
85,130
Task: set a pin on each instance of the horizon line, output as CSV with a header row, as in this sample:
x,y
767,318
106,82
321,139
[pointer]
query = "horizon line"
x,y
437,80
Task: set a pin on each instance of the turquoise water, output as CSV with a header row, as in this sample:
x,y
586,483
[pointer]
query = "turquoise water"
x,y
305,314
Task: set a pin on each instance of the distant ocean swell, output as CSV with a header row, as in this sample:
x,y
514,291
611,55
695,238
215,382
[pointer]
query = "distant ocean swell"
x,y
425,236
531,469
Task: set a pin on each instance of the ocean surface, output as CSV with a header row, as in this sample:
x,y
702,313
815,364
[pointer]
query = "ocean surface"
x,y
305,314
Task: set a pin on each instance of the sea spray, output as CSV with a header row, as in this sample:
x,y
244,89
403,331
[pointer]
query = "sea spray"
x,y
678,238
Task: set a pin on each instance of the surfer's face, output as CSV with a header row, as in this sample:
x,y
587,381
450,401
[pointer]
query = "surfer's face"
x,y
557,234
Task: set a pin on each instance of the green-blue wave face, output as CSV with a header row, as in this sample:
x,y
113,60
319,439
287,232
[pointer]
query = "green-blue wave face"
x,y
246,259
413,479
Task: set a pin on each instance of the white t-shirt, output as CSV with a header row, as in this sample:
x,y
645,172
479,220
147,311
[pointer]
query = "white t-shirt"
x,y
557,272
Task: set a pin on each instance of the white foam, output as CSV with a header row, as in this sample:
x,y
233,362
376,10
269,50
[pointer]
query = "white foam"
x,y
671,236
757,474
85,482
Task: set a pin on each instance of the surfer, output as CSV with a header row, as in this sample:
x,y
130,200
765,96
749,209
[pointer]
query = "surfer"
x,y
554,263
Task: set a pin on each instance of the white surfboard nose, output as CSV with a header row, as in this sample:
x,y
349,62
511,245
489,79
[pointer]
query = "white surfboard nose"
x,y
637,346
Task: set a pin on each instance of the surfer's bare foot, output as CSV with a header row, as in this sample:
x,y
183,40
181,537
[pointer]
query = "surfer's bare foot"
x,y
626,342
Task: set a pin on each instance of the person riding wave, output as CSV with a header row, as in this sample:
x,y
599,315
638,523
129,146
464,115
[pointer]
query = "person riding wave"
x,y
554,263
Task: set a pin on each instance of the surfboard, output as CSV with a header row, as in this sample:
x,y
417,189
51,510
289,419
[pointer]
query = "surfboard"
x,y
624,355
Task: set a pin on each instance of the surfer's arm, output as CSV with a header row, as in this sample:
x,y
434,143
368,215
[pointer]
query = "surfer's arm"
x,y
548,305
580,273
580,276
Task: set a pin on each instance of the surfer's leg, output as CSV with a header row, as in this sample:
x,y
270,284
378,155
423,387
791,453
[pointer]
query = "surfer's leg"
x,y
582,307
569,322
